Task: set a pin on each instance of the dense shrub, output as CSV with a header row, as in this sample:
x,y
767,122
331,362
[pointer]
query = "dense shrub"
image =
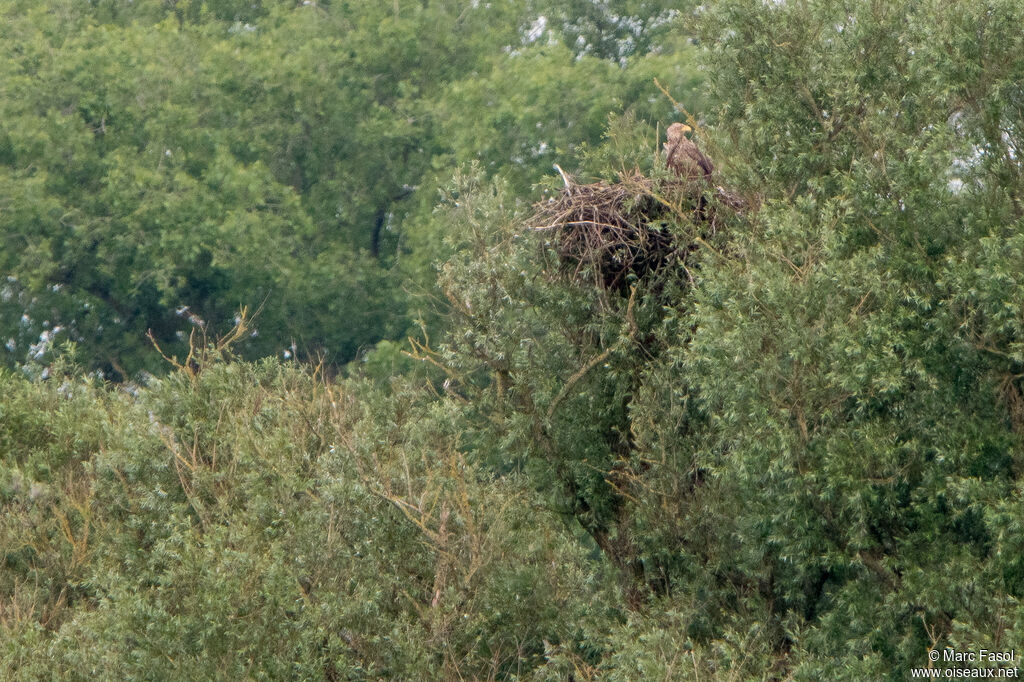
x,y
252,521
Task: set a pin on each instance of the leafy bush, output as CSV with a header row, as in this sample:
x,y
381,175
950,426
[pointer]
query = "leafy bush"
x,y
253,521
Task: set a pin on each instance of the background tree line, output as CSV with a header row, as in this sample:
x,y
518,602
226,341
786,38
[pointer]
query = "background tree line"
x,y
159,156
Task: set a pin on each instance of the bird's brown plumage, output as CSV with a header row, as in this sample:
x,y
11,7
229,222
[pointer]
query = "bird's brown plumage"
x,y
683,156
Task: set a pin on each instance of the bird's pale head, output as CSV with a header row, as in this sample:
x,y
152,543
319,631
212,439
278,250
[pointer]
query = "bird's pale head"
x,y
677,131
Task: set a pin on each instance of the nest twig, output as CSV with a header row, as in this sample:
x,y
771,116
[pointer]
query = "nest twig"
x,y
617,229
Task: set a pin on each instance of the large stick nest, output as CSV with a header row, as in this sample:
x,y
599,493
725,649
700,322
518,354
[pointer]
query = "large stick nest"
x,y
613,230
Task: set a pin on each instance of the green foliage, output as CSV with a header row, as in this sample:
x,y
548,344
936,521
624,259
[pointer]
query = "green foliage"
x,y
868,429
795,455
160,156
807,447
613,29
251,521
148,169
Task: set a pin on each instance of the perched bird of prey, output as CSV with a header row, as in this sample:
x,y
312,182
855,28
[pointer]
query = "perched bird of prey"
x,y
683,156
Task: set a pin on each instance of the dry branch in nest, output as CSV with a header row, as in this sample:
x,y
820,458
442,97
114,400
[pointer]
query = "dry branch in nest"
x,y
619,229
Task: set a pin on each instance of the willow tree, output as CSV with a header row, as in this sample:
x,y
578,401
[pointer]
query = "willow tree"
x,y
808,460
857,352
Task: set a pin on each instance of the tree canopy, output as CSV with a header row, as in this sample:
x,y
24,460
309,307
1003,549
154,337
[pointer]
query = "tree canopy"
x,y
163,162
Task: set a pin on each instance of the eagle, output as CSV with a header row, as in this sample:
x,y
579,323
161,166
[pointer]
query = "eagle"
x,y
683,156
